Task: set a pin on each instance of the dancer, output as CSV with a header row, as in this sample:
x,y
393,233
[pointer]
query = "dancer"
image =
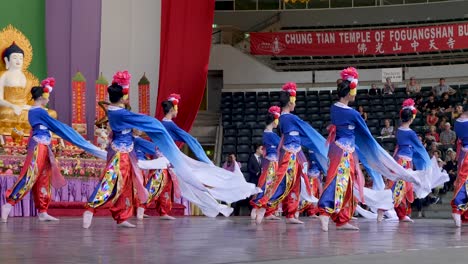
x,y
296,133
158,182
344,176
409,150
266,203
199,183
40,170
171,109
460,197
315,188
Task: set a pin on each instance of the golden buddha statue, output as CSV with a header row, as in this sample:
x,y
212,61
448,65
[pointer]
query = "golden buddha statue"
x,y
15,82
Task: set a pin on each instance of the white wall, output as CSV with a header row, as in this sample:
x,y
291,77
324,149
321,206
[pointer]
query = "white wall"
x,y
242,69
130,40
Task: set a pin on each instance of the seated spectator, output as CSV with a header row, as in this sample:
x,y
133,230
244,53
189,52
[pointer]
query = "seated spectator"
x,y
441,88
338,81
413,88
445,104
435,153
387,130
457,111
418,103
389,87
451,168
374,90
362,112
442,122
430,104
423,141
447,137
432,135
230,163
432,119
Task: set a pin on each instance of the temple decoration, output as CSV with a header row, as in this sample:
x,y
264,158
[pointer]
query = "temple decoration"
x,y
101,95
16,82
144,95
79,103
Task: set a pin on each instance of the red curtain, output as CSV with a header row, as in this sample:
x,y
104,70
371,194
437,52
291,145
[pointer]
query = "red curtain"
x,y
186,28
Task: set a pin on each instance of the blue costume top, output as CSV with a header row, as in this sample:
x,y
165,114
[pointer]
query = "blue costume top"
x,y
42,123
314,169
180,135
297,133
461,129
290,130
344,118
144,147
40,132
405,139
270,142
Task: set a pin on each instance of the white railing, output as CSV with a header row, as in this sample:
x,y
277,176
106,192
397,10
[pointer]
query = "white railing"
x,y
260,5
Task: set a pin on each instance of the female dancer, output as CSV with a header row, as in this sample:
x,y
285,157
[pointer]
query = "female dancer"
x,y
157,179
315,187
40,170
199,183
460,198
266,203
296,133
409,151
344,175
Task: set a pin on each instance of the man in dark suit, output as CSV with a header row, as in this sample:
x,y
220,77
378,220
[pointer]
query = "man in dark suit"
x,y
254,166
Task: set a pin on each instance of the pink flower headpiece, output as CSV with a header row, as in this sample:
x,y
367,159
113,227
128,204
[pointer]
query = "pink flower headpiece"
x,y
174,99
275,110
350,74
290,87
48,84
409,104
122,78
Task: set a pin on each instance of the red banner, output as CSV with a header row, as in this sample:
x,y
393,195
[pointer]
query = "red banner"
x,y
362,42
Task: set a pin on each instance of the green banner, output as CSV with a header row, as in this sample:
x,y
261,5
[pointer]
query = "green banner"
x,y
28,16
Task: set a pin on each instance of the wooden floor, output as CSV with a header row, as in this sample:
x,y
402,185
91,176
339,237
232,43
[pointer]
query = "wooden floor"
x,y
229,240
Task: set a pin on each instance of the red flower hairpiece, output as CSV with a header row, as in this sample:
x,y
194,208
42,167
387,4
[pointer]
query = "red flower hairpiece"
x,y
409,104
174,98
290,87
350,74
48,84
122,78
275,110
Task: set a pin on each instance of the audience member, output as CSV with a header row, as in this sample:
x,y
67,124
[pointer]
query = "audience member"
x,y
362,112
230,163
387,130
445,104
389,87
432,135
441,88
374,90
413,88
418,103
451,168
447,137
457,111
430,104
432,119
442,122
254,165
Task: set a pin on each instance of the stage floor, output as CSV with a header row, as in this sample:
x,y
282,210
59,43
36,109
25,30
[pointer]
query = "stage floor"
x,y
230,240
